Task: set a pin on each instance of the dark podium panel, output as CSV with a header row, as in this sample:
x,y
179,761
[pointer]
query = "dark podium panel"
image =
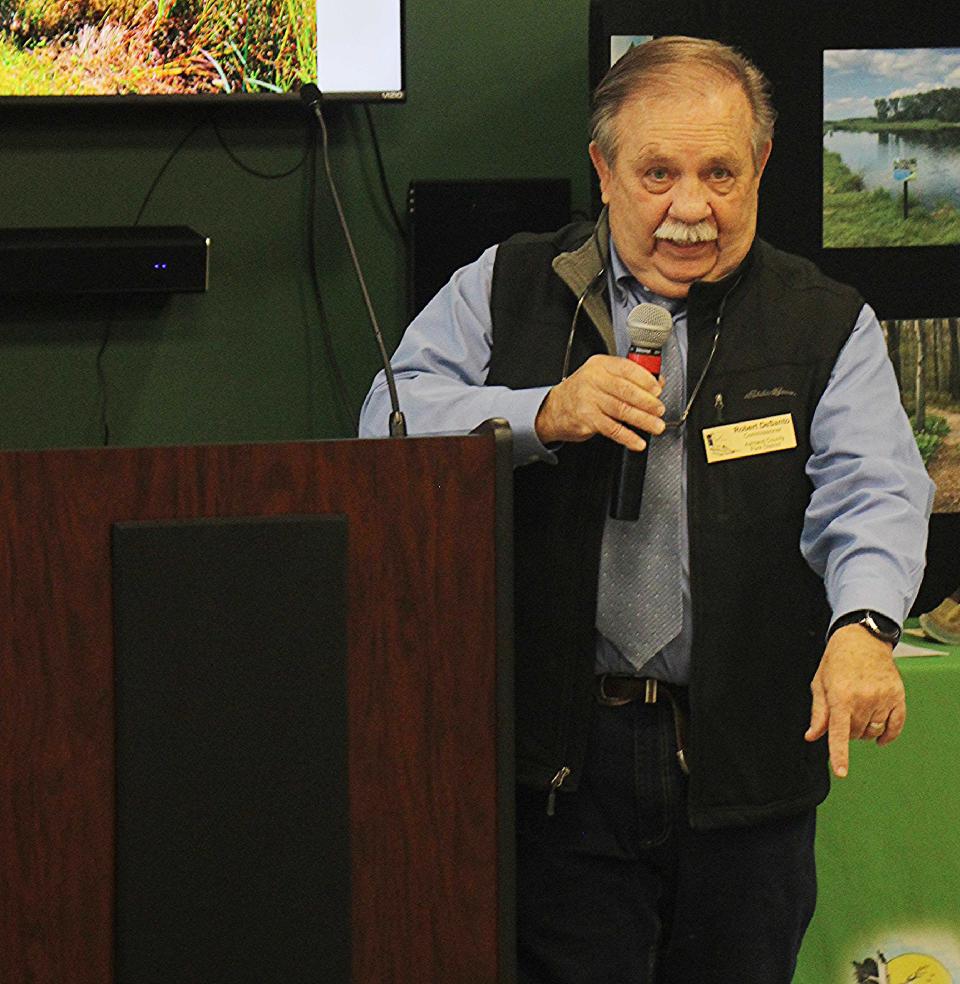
x,y
255,714
232,847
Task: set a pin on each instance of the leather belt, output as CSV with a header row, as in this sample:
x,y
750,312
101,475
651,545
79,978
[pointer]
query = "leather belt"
x,y
616,691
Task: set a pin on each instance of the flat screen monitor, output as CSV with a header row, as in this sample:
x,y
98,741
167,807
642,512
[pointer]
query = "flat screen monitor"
x,y
242,49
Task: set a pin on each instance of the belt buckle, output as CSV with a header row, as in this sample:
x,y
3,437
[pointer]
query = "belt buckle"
x,y
604,698
650,693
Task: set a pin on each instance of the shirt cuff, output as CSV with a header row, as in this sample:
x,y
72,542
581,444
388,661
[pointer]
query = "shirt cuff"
x,y
522,414
872,594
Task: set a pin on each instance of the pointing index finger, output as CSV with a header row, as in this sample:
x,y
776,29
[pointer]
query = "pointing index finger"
x,y
838,741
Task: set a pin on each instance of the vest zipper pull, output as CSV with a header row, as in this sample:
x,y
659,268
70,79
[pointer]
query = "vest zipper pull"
x,y
555,783
718,407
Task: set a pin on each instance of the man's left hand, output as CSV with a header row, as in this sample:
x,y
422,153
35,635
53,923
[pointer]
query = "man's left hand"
x,y
857,693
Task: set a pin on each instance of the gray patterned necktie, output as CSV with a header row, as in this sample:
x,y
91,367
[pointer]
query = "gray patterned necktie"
x,y
640,606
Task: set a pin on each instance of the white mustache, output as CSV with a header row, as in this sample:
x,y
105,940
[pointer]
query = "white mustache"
x,y
683,232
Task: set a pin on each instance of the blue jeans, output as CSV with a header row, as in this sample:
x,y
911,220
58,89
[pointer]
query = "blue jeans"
x,y
616,888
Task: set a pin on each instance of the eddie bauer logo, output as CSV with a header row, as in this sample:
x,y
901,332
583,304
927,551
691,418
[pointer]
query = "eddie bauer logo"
x,y
756,394
907,968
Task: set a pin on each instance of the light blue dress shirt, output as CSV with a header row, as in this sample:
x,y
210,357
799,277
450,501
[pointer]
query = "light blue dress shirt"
x,y
865,527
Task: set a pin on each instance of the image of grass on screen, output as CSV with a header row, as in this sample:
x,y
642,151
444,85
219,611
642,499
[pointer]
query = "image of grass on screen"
x,y
161,47
352,50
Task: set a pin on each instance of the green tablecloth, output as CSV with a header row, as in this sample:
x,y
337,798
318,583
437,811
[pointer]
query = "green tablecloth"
x,y
888,847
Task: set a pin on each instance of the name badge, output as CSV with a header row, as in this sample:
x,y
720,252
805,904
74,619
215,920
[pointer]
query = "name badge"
x,y
749,437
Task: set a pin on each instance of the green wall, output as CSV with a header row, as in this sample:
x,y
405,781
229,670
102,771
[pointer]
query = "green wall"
x,y
495,90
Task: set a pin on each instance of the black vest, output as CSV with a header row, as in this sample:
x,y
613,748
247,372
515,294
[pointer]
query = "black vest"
x,y
759,612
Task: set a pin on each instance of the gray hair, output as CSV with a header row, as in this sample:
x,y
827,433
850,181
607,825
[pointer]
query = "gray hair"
x,y
644,66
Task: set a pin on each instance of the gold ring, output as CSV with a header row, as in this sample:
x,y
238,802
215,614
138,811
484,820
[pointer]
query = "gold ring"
x,y
876,726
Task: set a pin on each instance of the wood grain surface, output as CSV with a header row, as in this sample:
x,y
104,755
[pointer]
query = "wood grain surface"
x,y
421,681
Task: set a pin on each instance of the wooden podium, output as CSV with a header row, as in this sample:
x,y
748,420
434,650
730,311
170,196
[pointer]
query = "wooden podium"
x,y
255,714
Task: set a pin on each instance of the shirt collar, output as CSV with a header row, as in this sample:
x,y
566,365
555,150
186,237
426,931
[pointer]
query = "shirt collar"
x,y
627,288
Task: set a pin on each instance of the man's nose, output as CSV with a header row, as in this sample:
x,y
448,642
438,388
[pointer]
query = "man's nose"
x,y
689,202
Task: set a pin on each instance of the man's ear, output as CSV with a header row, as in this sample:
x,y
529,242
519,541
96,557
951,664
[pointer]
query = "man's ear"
x,y
764,157
602,168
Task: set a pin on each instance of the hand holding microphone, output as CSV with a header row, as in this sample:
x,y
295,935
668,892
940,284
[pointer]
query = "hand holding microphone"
x,y
607,395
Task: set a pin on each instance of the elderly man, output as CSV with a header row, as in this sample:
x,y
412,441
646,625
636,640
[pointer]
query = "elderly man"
x,y
681,678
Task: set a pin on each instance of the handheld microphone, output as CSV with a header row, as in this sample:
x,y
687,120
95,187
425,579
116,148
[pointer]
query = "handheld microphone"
x,y
649,326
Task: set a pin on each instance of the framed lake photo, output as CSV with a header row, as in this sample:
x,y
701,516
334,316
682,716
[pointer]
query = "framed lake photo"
x,y
891,147
925,353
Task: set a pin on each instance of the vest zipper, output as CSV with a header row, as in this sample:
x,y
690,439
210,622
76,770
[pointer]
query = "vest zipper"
x,y
555,783
718,407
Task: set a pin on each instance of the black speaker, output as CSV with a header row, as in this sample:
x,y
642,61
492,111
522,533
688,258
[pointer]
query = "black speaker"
x,y
452,222
107,260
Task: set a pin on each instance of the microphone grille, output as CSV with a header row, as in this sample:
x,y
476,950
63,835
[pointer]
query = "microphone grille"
x,y
649,326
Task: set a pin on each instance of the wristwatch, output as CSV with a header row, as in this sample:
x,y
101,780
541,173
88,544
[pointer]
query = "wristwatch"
x,y
883,628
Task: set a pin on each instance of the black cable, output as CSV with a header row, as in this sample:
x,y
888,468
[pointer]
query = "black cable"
x,y
325,334
170,159
108,331
266,175
309,152
381,170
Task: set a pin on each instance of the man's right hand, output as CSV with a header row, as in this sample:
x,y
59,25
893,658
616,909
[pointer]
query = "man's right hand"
x,y
604,396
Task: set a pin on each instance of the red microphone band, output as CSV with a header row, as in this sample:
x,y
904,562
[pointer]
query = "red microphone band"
x,y
648,358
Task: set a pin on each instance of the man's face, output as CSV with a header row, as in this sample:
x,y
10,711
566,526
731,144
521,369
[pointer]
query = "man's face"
x,y
683,188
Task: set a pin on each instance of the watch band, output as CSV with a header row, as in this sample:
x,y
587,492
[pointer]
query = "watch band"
x,y
879,626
